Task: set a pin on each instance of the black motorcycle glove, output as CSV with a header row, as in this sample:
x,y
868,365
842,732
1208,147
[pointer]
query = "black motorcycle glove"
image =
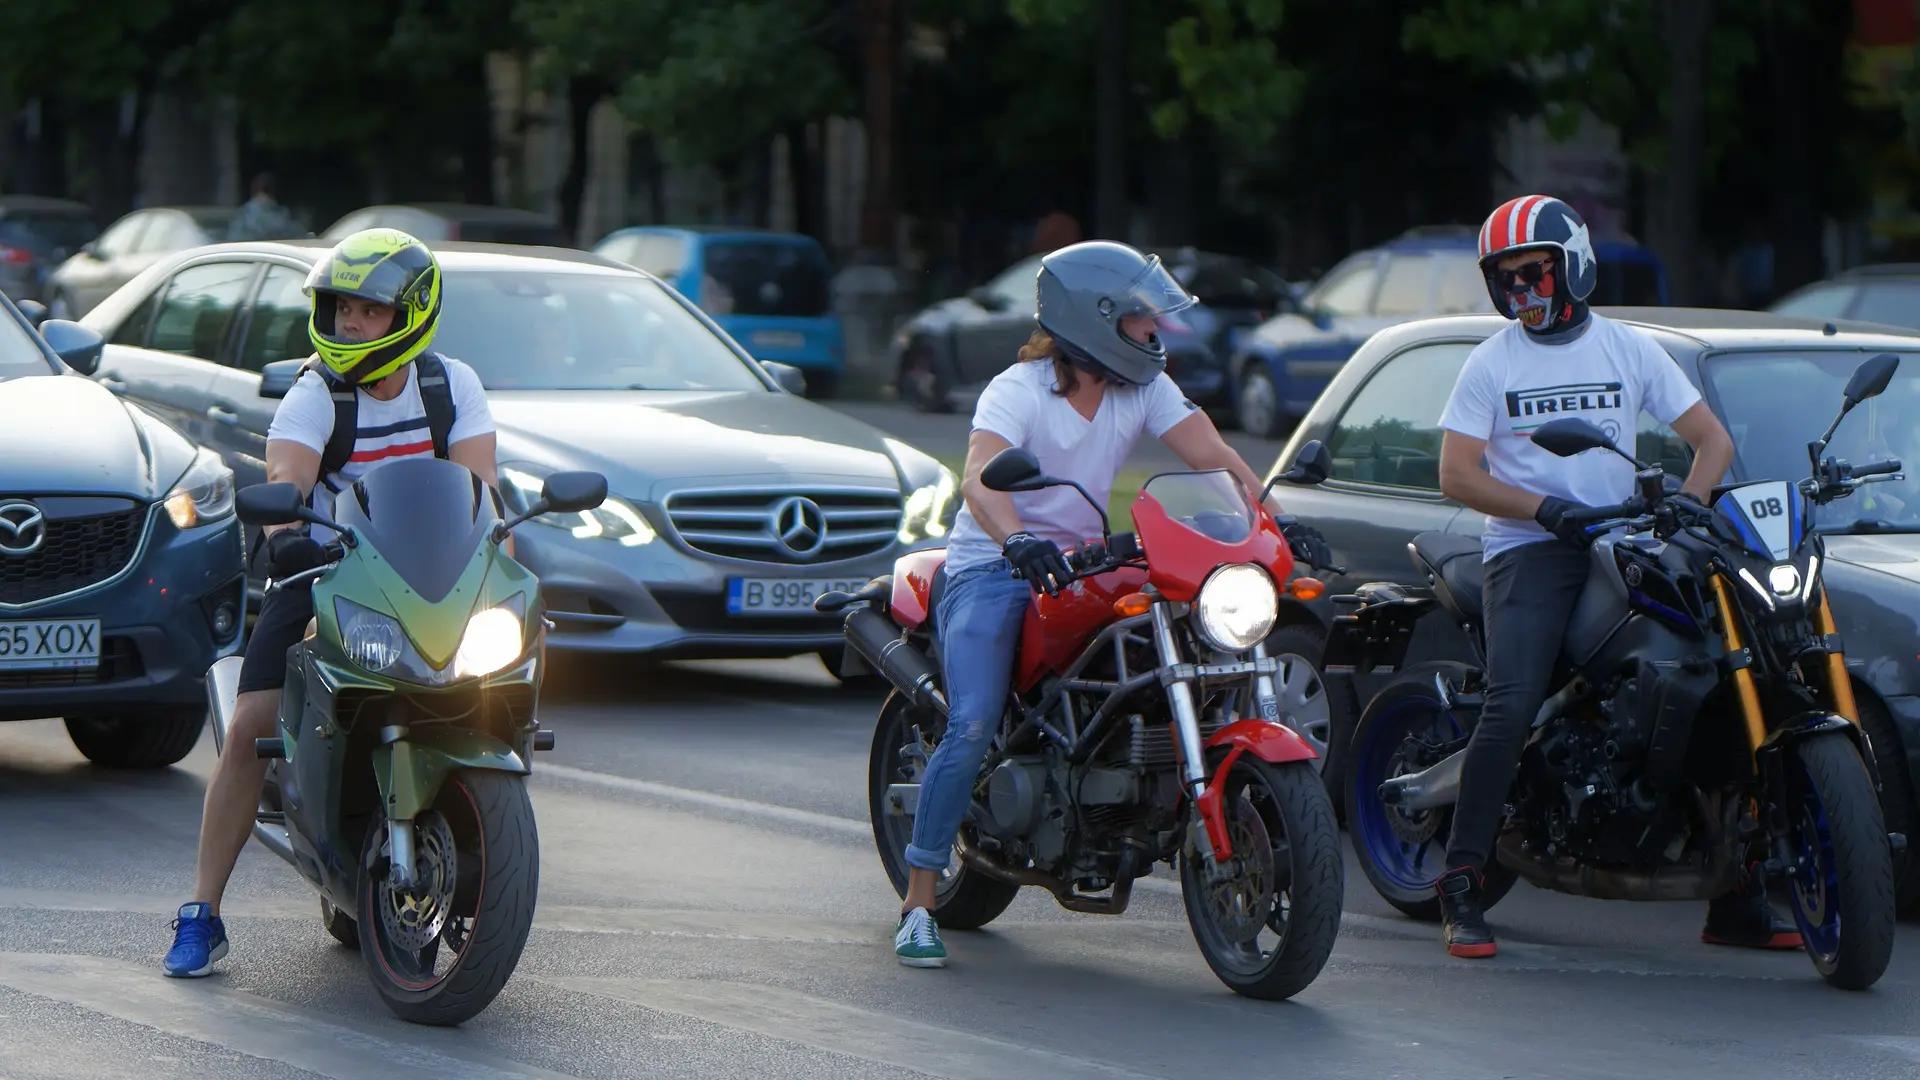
x,y
290,553
1309,545
1553,517
1039,561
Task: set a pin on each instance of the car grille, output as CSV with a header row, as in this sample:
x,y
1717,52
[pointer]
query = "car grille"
x,y
119,661
787,525
77,552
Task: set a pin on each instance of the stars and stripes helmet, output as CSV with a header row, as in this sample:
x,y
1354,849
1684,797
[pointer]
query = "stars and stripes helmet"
x,y
1540,222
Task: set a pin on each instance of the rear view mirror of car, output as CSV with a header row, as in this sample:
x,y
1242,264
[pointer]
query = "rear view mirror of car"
x,y
790,378
1311,466
277,378
77,346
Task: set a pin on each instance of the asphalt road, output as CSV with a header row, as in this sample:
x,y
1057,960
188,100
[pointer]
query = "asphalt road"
x,y
711,906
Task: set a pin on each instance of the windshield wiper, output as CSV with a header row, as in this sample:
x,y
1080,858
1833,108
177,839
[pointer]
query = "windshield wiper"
x,y
1872,526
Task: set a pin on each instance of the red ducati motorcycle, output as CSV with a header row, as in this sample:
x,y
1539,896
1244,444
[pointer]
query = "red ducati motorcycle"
x,y
1142,725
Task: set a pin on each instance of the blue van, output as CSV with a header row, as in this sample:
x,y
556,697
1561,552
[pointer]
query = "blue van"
x,y
771,291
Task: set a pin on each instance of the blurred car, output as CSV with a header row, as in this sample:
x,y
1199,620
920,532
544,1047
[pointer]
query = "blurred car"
x,y
127,247
436,223
36,235
771,291
1887,293
1774,381
950,351
120,570
1280,368
734,500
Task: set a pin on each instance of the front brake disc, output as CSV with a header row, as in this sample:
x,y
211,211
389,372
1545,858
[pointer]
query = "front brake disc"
x,y
414,917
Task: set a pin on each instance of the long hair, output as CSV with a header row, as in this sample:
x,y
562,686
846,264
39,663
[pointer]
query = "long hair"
x,y
1040,348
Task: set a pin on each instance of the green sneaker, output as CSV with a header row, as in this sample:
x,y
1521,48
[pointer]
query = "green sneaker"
x,y
917,941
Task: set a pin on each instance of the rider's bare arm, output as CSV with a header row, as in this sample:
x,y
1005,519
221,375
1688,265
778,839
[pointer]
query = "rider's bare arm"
x,y
1198,443
1712,449
992,509
293,463
478,455
1465,480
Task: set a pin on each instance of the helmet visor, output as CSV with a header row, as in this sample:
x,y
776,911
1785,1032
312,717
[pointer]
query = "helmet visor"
x,y
1154,292
382,282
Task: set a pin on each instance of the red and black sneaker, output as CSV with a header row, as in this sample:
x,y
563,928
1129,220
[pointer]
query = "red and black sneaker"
x,y
1466,931
1744,918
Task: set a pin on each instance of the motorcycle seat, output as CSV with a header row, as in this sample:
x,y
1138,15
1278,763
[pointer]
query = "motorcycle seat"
x,y
1453,563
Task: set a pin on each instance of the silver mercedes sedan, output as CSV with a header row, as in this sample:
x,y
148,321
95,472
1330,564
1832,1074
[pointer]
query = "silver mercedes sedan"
x,y
735,501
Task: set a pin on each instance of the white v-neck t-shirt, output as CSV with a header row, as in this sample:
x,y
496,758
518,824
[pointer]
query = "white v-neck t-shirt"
x,y
1019,405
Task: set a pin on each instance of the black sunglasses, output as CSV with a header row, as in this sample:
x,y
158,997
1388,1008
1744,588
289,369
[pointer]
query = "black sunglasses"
x,y
1530,273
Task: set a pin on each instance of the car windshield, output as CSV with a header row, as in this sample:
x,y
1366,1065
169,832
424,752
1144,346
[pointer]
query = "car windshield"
x,y
44,233
19,353
1775,403
424,516
528,330
757,277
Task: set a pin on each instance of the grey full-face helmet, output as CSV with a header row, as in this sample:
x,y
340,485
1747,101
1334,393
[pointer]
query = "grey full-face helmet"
x,y
1084,290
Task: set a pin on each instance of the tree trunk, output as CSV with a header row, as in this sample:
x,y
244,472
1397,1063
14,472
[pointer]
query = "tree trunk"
x,y
878,218
476,139
583,93
1804,72
1677,191
802,165
1110,125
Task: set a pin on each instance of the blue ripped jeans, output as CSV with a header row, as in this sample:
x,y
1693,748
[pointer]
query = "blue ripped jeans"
x,y
978,621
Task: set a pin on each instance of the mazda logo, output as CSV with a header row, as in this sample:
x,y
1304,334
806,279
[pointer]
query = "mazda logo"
x,y
798,527
23,528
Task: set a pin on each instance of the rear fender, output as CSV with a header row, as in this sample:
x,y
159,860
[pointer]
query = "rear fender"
x,y
913,586
1273,743
410,771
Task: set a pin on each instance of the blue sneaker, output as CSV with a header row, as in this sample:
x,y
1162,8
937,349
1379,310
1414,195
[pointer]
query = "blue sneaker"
x,y
199,939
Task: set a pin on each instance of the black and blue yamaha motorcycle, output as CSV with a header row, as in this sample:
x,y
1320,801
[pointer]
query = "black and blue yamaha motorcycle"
x,y
1701,721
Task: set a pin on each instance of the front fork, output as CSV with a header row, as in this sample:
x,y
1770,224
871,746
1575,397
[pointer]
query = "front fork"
x,y
1207,828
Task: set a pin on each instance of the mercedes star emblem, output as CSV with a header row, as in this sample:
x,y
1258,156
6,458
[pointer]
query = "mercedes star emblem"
x,y
799,527
23,528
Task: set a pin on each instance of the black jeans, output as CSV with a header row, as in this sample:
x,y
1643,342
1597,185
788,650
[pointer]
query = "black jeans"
x,y
1527,602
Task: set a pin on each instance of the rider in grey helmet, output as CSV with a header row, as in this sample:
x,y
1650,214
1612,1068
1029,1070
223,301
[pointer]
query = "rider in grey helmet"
x,y
1091,380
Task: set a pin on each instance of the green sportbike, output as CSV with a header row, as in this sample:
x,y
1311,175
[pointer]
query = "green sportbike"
x,y
397,780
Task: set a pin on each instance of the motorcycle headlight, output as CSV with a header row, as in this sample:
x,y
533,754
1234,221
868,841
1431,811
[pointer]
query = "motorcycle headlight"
x,y
1236,608
372,640
494,638
930,509
615,519
204,494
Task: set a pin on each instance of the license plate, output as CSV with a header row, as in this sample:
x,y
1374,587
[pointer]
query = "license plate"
x,y
49,643
779,339
782,596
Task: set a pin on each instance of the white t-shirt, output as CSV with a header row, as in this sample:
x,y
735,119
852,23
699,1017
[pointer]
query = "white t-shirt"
x,y
1019,405
1511,385
389,430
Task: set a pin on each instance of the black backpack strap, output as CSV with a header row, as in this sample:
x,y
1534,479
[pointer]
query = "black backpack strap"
x,y
346,423
437,397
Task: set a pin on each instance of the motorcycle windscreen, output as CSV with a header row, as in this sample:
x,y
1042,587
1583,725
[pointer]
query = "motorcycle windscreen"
x,y
424,516
1209,503
1192,523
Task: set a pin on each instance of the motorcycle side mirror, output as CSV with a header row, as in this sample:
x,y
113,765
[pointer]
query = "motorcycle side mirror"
x,y
1014,469
574,492
1570,436
1871,378
269,504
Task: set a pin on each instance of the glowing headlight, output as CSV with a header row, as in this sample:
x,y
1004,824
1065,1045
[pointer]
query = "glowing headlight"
x,y
492,641
614,519
929,509
373,641
1236,608
203,494
1784,579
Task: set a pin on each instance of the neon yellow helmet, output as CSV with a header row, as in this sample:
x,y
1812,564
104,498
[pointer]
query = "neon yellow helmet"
x,y
388,267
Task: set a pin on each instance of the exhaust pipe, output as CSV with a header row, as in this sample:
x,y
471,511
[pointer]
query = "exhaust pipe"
x,y
877,639
223,690
1435,786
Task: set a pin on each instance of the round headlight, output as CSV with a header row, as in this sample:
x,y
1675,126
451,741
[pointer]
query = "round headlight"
x,y
1784,579
372,640
492,641
1236,608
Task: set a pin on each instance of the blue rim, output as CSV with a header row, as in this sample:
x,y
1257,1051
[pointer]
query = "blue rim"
x,y
1409,867
1816,883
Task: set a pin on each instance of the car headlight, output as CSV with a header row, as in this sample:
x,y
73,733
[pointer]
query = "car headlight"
x,y
494,638
203,494
1236,608
930,509
615,519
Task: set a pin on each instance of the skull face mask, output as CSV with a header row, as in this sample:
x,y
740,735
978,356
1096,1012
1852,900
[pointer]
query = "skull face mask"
x,y
1531,292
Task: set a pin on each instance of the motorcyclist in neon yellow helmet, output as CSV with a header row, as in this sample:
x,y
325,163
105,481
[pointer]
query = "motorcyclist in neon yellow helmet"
x,y
377,266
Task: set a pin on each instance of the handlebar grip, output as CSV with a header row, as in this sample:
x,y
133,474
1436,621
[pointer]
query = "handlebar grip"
x,y
1878,468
